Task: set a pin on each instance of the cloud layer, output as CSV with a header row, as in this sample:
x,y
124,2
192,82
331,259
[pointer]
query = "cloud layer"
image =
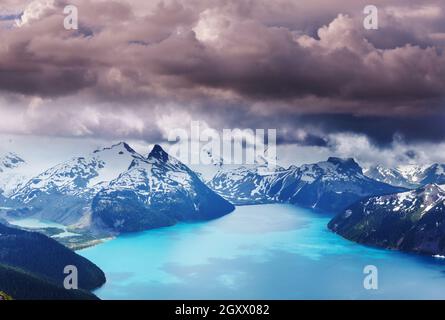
x,y
306,67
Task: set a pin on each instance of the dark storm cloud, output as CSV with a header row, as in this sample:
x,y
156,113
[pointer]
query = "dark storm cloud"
x,y
29,81
315,129
308,139
381,129
309,64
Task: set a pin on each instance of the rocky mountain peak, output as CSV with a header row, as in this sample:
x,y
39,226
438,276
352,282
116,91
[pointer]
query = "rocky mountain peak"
x,y
345,164
158,153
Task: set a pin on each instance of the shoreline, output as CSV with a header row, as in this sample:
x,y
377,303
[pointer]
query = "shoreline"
x,y
90,244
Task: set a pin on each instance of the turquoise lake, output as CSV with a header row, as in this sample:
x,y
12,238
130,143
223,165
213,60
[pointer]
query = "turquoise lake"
x,y
258,252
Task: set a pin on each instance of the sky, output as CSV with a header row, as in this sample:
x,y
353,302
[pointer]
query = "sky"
x,y
135,70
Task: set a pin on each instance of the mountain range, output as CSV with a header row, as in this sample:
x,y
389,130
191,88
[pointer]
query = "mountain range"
x,y
120,190
327,186
116,189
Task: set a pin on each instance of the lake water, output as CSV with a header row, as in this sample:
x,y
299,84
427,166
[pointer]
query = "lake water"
x,y
258,252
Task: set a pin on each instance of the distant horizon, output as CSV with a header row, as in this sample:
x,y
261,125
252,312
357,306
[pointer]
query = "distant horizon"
x,y
49,156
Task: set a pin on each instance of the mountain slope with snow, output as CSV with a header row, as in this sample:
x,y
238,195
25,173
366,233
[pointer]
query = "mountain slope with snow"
x,y
245,185
154,192
410,221
390,176
62,193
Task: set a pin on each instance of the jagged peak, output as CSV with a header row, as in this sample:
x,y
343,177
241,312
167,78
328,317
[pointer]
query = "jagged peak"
x,y
344,162
341,160
158,153
342,165
119,145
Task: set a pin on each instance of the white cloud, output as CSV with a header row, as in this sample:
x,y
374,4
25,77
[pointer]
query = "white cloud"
x,y
211,23
34,11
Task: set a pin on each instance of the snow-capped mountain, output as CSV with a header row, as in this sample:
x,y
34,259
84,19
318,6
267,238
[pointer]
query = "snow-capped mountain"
x,y
154,192
409,176
12,174
412,173
329,186
409,221
62,192
393,176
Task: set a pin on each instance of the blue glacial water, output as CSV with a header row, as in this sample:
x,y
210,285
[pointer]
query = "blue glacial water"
x,y
258,252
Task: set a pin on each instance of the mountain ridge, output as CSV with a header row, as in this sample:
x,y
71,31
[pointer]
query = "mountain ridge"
x,y
327,186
